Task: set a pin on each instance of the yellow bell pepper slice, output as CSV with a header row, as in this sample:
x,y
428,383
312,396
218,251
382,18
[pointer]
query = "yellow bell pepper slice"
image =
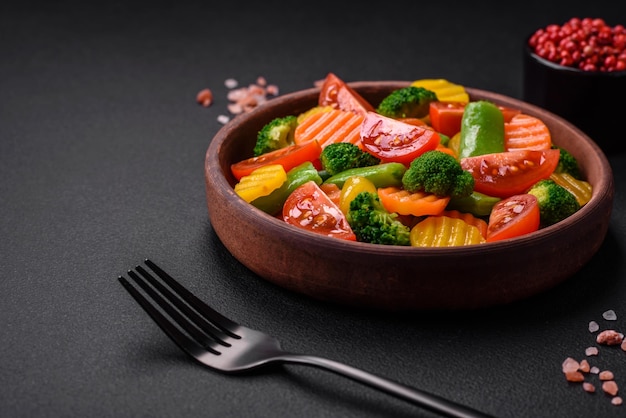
x,y
261,182
445,90
444,231
581,189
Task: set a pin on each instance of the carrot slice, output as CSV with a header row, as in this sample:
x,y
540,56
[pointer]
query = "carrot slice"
x,y
398,200
525,132
329,127
481,224
443,231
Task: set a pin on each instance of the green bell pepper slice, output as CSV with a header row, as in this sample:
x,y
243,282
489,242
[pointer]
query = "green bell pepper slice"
x,y
482,129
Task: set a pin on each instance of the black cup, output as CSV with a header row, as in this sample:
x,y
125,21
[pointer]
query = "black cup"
x,y
595,102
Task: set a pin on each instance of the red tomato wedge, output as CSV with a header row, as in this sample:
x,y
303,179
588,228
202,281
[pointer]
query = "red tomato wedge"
x,y
445,117
289,157
392,140
309,208
336,93
512,217
509,173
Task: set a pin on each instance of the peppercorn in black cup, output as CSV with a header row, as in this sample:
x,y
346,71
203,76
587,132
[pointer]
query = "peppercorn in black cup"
x,y
578,72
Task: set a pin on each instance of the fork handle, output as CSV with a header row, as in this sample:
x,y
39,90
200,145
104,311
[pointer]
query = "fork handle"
x,y
415,396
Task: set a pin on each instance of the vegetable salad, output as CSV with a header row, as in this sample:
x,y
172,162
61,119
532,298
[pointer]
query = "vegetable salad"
x,y
425,167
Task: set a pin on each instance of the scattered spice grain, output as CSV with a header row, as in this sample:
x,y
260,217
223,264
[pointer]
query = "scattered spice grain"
x,y
582,371
609,315
589,387
610,387
205,97
609,337
606,375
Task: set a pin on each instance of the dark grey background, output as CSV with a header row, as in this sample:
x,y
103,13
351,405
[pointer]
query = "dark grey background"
x,y
101,165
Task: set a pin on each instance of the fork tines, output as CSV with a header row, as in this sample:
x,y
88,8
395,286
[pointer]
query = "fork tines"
x,y
206,326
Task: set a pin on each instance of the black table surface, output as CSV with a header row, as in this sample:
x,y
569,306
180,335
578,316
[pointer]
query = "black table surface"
x,y
102,148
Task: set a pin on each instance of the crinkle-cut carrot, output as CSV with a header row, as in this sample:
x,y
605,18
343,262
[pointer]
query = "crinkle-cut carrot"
x,y
329,127
469,218
526,132
444,231
400,201
581,189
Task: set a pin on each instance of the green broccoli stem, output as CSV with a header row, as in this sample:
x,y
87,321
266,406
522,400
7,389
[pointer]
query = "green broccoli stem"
x,y
296,177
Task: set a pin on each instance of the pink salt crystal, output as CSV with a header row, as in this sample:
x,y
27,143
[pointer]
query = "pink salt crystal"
x,y
609,337
606,375
231,83
235,108
616,400
593,326
272,90
609,315
610,387
205,97
589,387
591,351
594,370
584,366
574,376
570,365
623,346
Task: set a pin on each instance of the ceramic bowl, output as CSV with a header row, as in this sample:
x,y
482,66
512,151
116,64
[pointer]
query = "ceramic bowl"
x,y
396,278
589,100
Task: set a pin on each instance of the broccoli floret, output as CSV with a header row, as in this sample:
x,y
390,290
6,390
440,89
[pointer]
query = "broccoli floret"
x,y
276,134
341,156
567,164
555,202
407,102
371,222
438,173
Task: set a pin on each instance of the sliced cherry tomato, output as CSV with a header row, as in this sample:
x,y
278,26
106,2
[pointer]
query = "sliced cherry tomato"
x,y
392,140
505,174
336,93
512,217
445,117
289,157
309,208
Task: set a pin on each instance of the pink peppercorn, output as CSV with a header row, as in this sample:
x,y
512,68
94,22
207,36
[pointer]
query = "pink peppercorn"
x,y
587,44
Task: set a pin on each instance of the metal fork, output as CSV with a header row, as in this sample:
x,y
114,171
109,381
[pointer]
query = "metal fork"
x,y
223,345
